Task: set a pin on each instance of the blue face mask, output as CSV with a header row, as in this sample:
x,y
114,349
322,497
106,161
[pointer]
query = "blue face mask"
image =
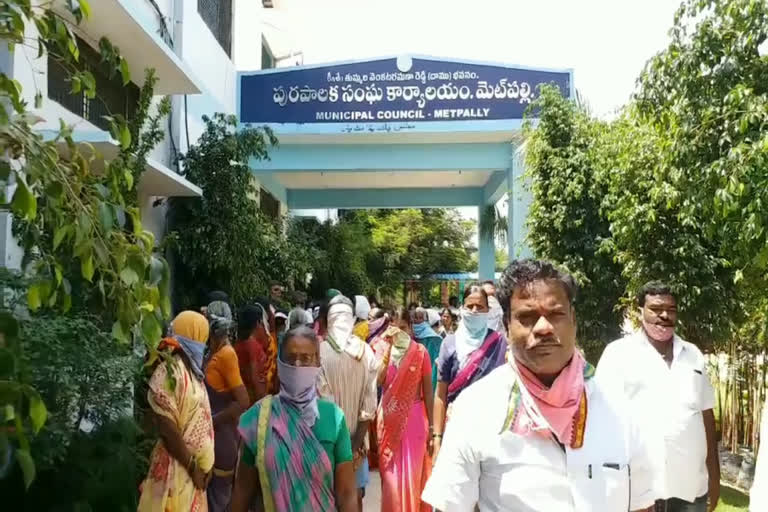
x,y
476,323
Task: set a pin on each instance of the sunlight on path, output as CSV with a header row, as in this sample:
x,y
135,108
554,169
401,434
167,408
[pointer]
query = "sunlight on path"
x,y
372,501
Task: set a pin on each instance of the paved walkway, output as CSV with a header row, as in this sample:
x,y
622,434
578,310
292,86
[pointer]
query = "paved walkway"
x,y
372,500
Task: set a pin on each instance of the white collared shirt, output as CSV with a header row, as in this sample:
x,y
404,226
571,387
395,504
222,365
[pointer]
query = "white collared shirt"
x,y
758,497
668,400
481,466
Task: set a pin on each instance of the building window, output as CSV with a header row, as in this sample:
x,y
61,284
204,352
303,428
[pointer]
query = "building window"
x,y
269,205
267,59
217,14
112,97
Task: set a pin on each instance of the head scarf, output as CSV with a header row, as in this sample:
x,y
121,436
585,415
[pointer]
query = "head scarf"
x,y
190,330
401,340
433,317
362,307
331,293
470,334
220,317
341,323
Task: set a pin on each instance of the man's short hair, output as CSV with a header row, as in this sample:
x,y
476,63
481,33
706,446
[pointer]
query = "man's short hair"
x,y
522,273
653,288
490,282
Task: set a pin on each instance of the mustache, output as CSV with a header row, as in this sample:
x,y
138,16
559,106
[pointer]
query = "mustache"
x,y
549,341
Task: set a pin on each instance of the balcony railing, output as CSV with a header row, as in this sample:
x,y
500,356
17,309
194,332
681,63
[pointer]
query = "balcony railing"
x,y
112,97
217,14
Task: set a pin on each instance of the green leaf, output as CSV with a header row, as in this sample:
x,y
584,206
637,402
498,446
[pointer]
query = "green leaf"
x,y
38,100
151,329
59,235
86,267
24,203
37,411
125,72
33,297
156,270
27,466
128,175
125,136
85,8
77,84
129,276
55,189
119,333
105,215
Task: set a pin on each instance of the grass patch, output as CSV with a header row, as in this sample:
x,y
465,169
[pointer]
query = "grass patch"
x,y
732,500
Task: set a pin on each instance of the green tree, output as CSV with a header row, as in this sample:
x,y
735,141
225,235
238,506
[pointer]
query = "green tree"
x,y
80,230
565,224
374,252
222,240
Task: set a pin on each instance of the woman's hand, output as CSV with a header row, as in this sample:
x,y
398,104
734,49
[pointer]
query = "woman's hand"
x,y
436,442
200,478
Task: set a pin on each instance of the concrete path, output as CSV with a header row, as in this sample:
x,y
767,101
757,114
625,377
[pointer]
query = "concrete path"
x,y
372,500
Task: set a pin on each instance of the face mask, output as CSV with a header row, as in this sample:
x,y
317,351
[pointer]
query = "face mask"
x,y
475,322
298,384
659,332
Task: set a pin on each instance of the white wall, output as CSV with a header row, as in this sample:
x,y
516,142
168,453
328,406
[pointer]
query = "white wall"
x,y
247,33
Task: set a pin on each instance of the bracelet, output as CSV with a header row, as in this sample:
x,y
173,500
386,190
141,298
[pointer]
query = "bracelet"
x,y
440,436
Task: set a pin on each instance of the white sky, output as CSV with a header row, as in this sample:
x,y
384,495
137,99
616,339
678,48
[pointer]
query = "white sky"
x,y
606,42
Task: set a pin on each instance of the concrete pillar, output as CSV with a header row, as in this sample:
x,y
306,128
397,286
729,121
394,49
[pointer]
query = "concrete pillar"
x,y
511,198
486,251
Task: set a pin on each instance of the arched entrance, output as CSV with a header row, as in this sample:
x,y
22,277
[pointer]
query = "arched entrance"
x,y
399,132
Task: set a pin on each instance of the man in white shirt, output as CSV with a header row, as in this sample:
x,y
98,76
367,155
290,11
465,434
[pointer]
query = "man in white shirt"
x,y
665,380
538,434
758,497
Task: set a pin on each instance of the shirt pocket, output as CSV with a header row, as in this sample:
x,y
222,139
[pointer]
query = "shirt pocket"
x,y
616,484
691,383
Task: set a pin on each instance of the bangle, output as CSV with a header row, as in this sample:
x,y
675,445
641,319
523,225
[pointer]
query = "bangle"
x,y
440,436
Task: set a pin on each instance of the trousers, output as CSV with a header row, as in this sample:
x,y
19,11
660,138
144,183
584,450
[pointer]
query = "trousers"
x,y
678,505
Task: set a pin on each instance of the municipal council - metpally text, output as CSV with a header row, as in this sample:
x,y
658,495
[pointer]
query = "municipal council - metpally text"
x,y
411,115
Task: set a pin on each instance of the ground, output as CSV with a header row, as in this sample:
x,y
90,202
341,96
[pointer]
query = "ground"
x,y
731,499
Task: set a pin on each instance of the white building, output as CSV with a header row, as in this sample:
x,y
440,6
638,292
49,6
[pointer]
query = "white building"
x,y
191,46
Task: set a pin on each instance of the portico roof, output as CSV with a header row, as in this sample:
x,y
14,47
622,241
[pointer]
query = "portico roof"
x,y
407,131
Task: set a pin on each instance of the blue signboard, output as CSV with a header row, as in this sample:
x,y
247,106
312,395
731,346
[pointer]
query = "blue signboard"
x,y
392,90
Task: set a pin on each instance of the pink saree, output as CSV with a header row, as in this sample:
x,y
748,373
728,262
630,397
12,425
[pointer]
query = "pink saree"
x,y
403,430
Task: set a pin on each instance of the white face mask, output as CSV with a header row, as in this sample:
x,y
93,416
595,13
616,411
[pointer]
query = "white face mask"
x,y
476,323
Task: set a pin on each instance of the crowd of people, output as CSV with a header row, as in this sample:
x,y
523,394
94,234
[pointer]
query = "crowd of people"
x,y
485,406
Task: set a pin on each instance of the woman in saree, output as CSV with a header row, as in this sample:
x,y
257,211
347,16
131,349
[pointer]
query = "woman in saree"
x,y
297,453
466,356
228,398
378,322
181,462
251,348
405,421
